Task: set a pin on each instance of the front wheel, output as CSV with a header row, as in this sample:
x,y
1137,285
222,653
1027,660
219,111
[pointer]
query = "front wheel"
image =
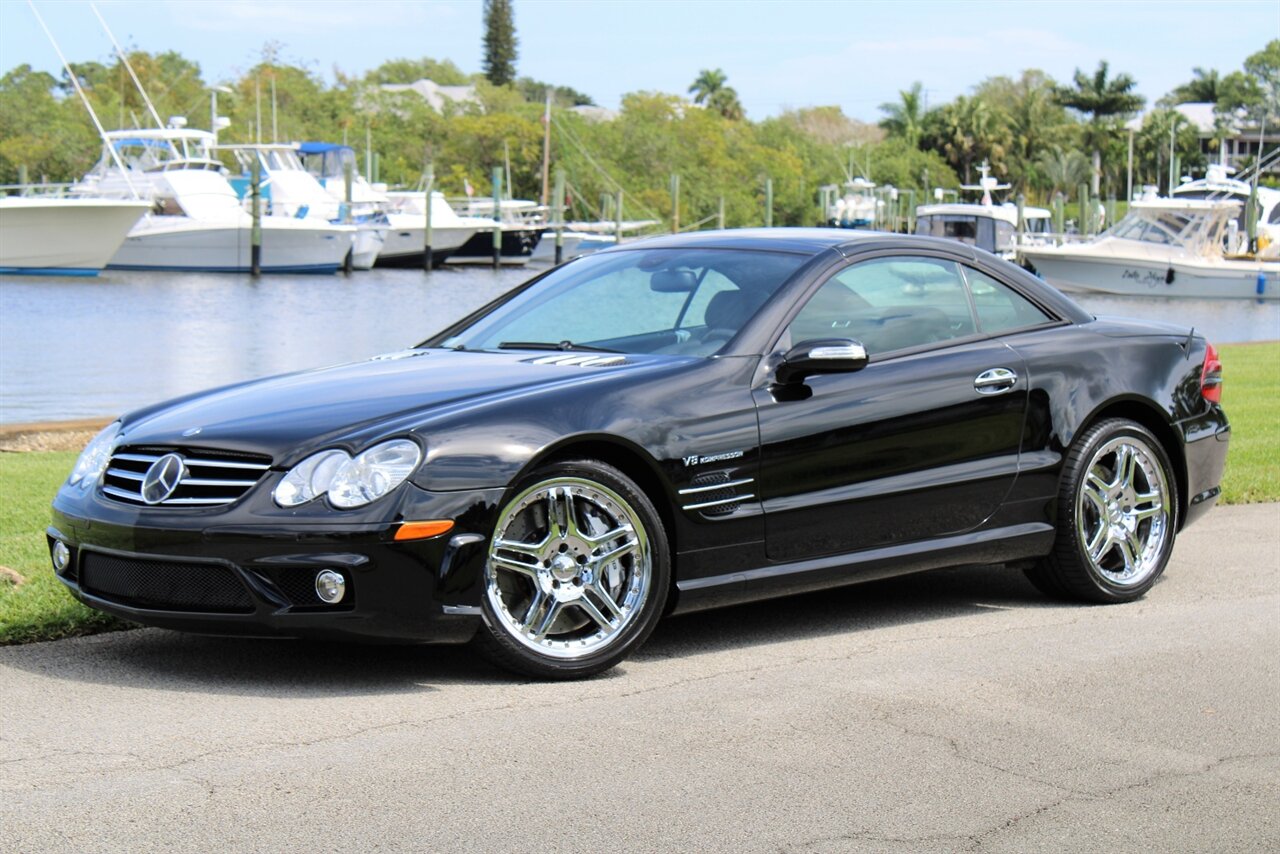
x,y
576,575
1117,508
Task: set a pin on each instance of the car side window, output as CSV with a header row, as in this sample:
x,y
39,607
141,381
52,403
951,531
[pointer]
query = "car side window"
x,y
889,304
1000,308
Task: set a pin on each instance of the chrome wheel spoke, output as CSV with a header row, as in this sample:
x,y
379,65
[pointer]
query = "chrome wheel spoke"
x,y
1095,493
605,599
526,569
1099,544
607,537
548,619
560,514
1095,483
592,611
535,608
1126,460
1125,545
616,552
533,550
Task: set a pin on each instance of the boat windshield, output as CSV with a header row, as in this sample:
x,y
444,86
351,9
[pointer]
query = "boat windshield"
x,y
1172,228
680,301
330,163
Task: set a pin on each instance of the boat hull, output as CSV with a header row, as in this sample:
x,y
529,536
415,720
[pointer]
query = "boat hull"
x,y
404,244
518,246
366,246
288,246
63,236
1151,277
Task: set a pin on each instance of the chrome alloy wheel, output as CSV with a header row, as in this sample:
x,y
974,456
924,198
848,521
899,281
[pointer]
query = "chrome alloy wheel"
x,y
569,567
1122,515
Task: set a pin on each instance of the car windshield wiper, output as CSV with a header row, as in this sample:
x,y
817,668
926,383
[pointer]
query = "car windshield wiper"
x,y
549,345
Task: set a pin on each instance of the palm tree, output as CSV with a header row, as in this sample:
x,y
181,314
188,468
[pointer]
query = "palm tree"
x,y
906,118
707,84
710,88
967,131
1103,100
1061,169
1204,87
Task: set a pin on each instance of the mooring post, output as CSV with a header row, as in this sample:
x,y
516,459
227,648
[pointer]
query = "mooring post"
x,y
1085,219
497,217
348,181
558,213
720,216
427,260
675,203
1022,217
22,179
255,234
617,222
1059,217
768,203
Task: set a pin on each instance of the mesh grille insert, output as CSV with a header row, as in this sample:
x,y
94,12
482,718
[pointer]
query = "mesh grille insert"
x,y
163,585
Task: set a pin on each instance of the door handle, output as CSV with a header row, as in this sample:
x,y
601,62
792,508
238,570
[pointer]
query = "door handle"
x,y
995,381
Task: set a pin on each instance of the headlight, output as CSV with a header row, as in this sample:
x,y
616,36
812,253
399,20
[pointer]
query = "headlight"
x,y
308,479
373,473
93,460
350,482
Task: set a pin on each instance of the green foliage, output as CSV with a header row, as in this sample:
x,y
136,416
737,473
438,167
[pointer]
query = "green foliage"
x,y
443,72
1264,68
500,43
905,119
536,92
1105,101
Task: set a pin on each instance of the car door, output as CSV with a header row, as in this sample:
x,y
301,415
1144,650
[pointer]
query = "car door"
x,y
922,442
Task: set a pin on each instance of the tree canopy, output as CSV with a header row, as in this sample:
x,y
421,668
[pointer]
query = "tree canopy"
x,y
500,44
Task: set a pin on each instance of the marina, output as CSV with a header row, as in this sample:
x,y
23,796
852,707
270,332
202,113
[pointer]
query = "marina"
x,y
79,348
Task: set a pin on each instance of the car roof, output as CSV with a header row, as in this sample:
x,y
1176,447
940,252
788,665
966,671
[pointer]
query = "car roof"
x,y
803,241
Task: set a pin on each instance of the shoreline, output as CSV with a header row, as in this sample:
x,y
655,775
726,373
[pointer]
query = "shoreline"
x,y
70,435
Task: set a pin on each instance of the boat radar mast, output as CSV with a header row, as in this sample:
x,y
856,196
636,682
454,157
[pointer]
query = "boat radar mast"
x,y
986,184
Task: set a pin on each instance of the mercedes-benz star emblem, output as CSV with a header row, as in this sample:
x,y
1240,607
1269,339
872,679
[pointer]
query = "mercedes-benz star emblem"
x,y
162,478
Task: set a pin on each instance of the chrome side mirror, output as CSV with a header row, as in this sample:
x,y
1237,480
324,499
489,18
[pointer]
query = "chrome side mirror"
x,y
821,356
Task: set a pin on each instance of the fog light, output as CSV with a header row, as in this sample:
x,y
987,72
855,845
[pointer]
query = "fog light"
x,y
61,556
330,586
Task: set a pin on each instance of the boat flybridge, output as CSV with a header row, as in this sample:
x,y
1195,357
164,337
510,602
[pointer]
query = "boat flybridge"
x,y
289,190
856,207
985,225
197,221
1218,185
1163,247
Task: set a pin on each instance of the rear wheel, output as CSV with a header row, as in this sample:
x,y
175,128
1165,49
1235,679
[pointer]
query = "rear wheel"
x,y
1117,508
576,575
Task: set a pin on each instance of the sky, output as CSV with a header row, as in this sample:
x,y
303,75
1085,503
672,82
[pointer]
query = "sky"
x,y
777,54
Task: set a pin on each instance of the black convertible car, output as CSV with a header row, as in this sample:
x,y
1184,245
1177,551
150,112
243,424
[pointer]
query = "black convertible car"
x,y
670,425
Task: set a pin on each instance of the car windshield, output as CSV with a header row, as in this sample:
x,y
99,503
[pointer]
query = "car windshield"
x,y
681,301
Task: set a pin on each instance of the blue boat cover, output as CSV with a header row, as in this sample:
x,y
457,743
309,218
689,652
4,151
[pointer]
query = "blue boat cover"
x,y
321,147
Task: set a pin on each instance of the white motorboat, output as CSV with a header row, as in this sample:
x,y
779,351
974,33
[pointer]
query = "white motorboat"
x,y
584,237
289,190
43,235
197,221
856,207
1162,247
406,239
521,224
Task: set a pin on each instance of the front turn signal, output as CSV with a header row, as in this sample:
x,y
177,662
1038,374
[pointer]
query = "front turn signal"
x,y
423,530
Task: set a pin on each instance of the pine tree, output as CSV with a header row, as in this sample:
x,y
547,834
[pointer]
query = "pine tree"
x,y
499,42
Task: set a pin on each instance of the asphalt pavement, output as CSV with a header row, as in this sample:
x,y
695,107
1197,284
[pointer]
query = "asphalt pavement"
x,y
956,710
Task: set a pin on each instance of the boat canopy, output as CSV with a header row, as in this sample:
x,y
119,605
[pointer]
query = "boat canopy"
x,y
1198,225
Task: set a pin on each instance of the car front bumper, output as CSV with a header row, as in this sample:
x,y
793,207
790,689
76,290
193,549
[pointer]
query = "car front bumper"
x,y
231,573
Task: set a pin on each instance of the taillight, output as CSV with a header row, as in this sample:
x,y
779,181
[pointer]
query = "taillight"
x,y
1211,376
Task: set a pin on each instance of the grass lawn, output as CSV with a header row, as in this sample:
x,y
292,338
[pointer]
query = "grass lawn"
x,y
42,610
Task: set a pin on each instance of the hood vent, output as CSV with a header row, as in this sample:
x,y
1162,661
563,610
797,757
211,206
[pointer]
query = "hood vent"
x,y
579,360
399,354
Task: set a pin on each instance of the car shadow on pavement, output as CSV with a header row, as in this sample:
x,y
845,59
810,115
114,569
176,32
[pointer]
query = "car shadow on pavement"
x,y
917,598
164,660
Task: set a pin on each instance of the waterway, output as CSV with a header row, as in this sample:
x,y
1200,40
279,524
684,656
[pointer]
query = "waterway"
x,y
80,348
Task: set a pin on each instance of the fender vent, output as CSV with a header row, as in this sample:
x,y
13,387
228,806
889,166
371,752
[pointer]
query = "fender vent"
x,y
716,493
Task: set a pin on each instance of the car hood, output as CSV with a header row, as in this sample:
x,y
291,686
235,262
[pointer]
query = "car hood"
x,y
290,415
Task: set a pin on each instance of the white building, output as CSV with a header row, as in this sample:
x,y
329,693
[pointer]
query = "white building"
x,y
434,94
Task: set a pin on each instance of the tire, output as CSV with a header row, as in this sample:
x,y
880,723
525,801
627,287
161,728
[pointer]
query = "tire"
x,y
576,575
1117,515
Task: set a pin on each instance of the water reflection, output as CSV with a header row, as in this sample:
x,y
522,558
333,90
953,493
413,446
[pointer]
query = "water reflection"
x,y
74,348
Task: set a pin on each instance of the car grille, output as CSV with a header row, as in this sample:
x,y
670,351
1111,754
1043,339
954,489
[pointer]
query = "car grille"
x,y
208,477
163,585
715,493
